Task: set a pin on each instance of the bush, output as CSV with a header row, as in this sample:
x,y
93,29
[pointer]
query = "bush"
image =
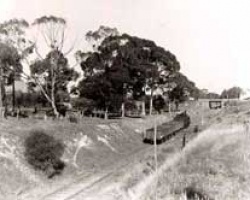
x,y
73,119
130,105
43,152
193,193
158,103
196,129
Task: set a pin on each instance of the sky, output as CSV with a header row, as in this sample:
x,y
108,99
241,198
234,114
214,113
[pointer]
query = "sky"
x,y
211,39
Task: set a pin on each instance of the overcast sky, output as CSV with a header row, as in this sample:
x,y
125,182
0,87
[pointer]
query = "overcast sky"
x,y
211,38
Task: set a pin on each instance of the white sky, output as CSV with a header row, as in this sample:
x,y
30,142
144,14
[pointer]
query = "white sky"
x,y
211,38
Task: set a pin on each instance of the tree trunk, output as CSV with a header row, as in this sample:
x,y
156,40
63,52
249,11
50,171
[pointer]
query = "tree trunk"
x,y
13,95
151,102
2,93
53,80
106,113
143,109
123,109
53,101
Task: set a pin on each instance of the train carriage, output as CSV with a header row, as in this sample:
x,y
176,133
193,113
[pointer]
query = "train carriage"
x,y
167,130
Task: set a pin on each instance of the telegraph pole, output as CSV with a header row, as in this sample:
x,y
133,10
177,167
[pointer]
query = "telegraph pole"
x,y
156,160
2,92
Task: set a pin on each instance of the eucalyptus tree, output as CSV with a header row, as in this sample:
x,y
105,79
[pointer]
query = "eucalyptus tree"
x,y
132,61
232,93
8,57
95,38
14,34
51,69
53,82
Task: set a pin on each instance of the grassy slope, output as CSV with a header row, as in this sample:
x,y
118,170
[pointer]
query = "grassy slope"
x,y
216,163
16,175
92,160
137,177
17,178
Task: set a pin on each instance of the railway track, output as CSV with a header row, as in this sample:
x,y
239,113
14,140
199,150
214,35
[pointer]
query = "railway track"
x,y
83,186
84,183
108,187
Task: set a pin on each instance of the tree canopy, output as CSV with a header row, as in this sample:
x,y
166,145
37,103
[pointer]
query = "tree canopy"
x,y
131,62
59,74
232,93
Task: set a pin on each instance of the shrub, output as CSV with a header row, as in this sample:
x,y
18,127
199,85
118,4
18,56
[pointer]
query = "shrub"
x,y
73,119
196,129
43,152
158,103
194,193
130,105
219,119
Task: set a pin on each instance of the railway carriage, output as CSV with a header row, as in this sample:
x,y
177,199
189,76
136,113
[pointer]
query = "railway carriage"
x,y
167,130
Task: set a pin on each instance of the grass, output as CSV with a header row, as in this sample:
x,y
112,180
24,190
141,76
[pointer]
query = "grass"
x,y
205,164
216,163
99,157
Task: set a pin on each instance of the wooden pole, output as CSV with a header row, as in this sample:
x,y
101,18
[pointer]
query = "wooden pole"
x,y
202,117
169,108
13,93
123,110
155,155
2,92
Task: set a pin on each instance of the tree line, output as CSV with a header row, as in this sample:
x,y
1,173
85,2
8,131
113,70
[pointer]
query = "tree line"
x,y
118,67
230,93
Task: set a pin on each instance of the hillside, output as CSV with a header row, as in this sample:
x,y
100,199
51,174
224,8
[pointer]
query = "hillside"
x,y
215,165
99,154
92,147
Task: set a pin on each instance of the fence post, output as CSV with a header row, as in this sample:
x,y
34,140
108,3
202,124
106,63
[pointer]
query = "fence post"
x,y
123,110
106,114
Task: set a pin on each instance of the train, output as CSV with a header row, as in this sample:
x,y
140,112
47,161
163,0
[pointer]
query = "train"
x,y
215,104
168,130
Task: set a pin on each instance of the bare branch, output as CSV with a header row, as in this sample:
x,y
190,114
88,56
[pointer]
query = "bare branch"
x,y
42,89
37,52
62,39
71,48
45,38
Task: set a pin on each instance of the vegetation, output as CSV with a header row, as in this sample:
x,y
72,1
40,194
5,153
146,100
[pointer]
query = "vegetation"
x,y
123,64
203,94
12,35
232,93
119,65
159,103
43,152
56,79
52,74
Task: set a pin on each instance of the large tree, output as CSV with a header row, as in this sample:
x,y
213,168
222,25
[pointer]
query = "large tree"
x,y
131,61
13,34
232,93
53,78
8,57
180,88
51,73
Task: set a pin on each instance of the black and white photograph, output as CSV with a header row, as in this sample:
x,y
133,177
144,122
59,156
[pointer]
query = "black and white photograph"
x,y
124,100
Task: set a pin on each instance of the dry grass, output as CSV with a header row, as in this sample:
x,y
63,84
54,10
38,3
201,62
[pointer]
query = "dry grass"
x,y
122,141
216,163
